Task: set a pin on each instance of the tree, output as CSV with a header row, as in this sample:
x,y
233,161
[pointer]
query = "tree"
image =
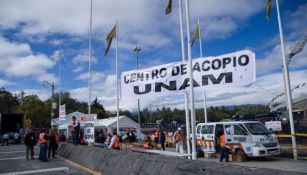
x,y
8,102
36,110
98,109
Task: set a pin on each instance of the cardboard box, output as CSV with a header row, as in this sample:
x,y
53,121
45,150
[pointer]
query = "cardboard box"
x,y
238,158
209,155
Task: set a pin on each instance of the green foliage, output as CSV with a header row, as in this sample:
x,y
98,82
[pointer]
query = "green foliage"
x,y
8,101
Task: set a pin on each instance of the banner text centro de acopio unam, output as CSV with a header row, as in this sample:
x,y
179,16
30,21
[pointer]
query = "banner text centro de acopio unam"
x,y
229,70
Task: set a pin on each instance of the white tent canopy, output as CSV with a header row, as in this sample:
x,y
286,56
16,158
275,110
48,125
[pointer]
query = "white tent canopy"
x,y
125,123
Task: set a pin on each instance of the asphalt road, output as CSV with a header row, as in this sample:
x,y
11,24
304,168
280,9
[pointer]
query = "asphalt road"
x,y
13,161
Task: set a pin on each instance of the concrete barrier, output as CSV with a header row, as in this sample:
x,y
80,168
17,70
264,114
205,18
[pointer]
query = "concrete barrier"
x,y
113,162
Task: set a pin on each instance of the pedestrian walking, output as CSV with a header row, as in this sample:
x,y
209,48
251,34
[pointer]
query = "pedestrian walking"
x,y
52,144
114,141
16,138
75,130
223,148
178,138
30,142
162,140
43,137
6,139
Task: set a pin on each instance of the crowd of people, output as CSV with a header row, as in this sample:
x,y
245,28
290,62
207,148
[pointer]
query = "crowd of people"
x,y
11,137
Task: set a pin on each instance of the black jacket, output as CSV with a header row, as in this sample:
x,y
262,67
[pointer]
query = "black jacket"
x,y
30,139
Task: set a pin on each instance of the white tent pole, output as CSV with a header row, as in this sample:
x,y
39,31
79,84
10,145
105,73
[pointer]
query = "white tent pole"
x,y
117,95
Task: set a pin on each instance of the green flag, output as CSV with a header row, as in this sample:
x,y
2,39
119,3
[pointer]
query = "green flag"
x,y
169,7
268,10
196,35
109,39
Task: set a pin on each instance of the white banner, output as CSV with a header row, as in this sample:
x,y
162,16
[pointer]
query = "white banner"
x,y
89,129
274,125
230,70
62,111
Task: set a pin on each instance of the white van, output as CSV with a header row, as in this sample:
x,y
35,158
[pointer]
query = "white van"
x,y
249,137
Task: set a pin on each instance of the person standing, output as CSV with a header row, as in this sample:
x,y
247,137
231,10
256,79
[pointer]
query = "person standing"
x,y
156,136
223,148
30,141
114,141
178,138
52,144
43,137
162,140
75,130
6,138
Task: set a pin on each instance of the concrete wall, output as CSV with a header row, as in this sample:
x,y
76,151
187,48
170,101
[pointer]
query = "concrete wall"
x,y
112,162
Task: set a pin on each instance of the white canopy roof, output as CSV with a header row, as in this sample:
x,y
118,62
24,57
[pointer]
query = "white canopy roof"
x,y
124,122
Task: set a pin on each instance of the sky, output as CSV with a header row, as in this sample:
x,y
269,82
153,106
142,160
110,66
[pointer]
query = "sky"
x,y
30,33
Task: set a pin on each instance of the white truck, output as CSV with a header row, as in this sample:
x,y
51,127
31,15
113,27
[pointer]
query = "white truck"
x,y
249,137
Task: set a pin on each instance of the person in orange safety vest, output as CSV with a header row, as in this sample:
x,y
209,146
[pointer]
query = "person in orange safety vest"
x,y
178,139
43,145
224,151
148,144
115,144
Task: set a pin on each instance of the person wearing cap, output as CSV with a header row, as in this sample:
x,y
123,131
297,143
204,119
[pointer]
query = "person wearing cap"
x,y
178,138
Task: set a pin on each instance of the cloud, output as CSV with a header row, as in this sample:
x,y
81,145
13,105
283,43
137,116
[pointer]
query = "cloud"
x,y
81,58
272,60
18,60
5,83
96,77
139,21
78,69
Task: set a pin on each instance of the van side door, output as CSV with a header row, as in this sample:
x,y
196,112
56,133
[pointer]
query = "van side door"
x,y
235,135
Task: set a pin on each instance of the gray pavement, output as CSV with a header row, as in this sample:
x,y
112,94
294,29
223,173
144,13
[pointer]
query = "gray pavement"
x,y
277,163
13,161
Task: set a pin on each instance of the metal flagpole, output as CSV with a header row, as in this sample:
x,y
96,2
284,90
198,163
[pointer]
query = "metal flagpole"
x,y
89,62
201,55
116,67
59,84
287,83
187,117
194,154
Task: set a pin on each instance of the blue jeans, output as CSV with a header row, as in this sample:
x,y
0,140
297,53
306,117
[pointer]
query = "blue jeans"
x,y
43,152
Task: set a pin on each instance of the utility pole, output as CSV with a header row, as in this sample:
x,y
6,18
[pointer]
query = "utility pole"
x,y
52,99
137,49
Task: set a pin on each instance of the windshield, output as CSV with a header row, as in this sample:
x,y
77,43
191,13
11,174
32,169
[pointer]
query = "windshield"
x,y
257,129
207,129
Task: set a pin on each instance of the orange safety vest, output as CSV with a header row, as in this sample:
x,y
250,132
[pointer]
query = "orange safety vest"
x,y
116,143
222,141
146,145
42,138
179,137
157,134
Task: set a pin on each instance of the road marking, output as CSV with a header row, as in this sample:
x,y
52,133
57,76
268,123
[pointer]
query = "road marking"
x,y
37,171
8,152
14,158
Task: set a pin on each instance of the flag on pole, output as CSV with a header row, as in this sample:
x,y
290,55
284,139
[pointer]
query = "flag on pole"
x,y
296,48
109,39
168,9
196,35
268,10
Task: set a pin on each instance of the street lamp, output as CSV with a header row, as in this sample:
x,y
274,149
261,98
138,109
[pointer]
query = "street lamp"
x,y
137,49
52,98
